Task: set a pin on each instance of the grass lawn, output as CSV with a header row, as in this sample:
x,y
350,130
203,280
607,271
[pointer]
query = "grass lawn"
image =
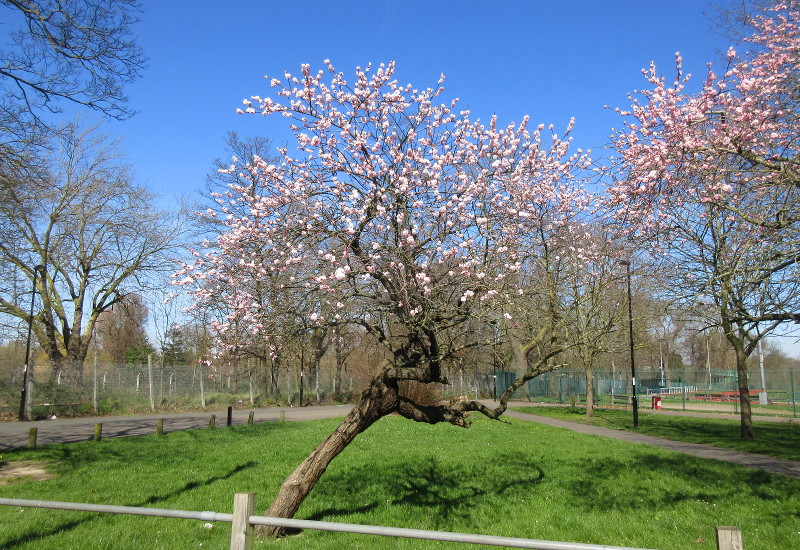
x,y
519,480
778,439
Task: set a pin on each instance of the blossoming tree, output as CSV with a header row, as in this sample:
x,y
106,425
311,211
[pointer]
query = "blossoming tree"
x,y
712,179
398,215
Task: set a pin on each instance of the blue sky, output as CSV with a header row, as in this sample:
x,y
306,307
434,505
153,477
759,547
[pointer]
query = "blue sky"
x,y
550,60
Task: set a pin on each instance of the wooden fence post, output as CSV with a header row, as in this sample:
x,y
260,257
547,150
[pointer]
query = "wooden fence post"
x,y
160,426
283,416
32,437
98,431
729,538
230,416
250,417
212,420
241,531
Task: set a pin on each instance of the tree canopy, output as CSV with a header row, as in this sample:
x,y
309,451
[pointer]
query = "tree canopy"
x,y
79,52
398,215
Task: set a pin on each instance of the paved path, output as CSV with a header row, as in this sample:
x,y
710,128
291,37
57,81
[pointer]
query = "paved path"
x,y
770,464
71,430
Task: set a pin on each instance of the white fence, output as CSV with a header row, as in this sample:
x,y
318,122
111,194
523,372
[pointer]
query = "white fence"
x,y
674,390
242,522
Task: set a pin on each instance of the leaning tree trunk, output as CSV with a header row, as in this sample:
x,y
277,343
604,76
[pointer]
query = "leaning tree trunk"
x,y
377,401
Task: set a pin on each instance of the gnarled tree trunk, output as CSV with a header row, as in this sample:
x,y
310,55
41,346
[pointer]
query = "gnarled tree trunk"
x,y
378,400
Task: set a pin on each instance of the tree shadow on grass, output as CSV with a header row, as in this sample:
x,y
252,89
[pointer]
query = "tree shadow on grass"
x,y
444,490
195,484
447,490
22,540
657,482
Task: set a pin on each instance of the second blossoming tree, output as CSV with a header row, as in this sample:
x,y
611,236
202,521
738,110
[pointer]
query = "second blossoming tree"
x,y
710,181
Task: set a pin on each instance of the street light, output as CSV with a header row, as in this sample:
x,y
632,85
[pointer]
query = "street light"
x,y
627,265
25,404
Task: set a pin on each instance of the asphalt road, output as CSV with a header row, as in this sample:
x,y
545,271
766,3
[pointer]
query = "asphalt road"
x,y
14,435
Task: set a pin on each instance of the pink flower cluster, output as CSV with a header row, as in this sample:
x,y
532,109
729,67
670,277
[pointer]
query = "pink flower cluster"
x,y
390,204
738,134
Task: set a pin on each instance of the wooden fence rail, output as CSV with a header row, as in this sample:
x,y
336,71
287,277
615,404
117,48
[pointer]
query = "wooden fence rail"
x,y
242,522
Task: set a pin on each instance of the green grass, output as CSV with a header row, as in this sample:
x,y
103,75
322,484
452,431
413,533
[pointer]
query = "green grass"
x,y
778,439
782,405
519,480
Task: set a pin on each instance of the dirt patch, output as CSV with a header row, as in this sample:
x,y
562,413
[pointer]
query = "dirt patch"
x,y
27,470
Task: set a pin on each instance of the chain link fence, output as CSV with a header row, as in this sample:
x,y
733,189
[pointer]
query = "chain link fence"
x,y
131,388
134,388
699,391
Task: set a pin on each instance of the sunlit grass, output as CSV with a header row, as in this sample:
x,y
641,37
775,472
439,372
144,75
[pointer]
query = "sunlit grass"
x,y
520,480
778,439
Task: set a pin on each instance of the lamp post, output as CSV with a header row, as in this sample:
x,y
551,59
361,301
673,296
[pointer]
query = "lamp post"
x,y
25,401
635,399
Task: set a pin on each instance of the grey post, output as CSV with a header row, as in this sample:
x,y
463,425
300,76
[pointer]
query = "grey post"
x,y
27,374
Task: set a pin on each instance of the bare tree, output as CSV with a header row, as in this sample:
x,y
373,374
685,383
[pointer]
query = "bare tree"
x,y
61,53
79,52
597,312
94,231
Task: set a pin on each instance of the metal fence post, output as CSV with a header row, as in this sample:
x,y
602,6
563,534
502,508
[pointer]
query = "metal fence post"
x,y
241,530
